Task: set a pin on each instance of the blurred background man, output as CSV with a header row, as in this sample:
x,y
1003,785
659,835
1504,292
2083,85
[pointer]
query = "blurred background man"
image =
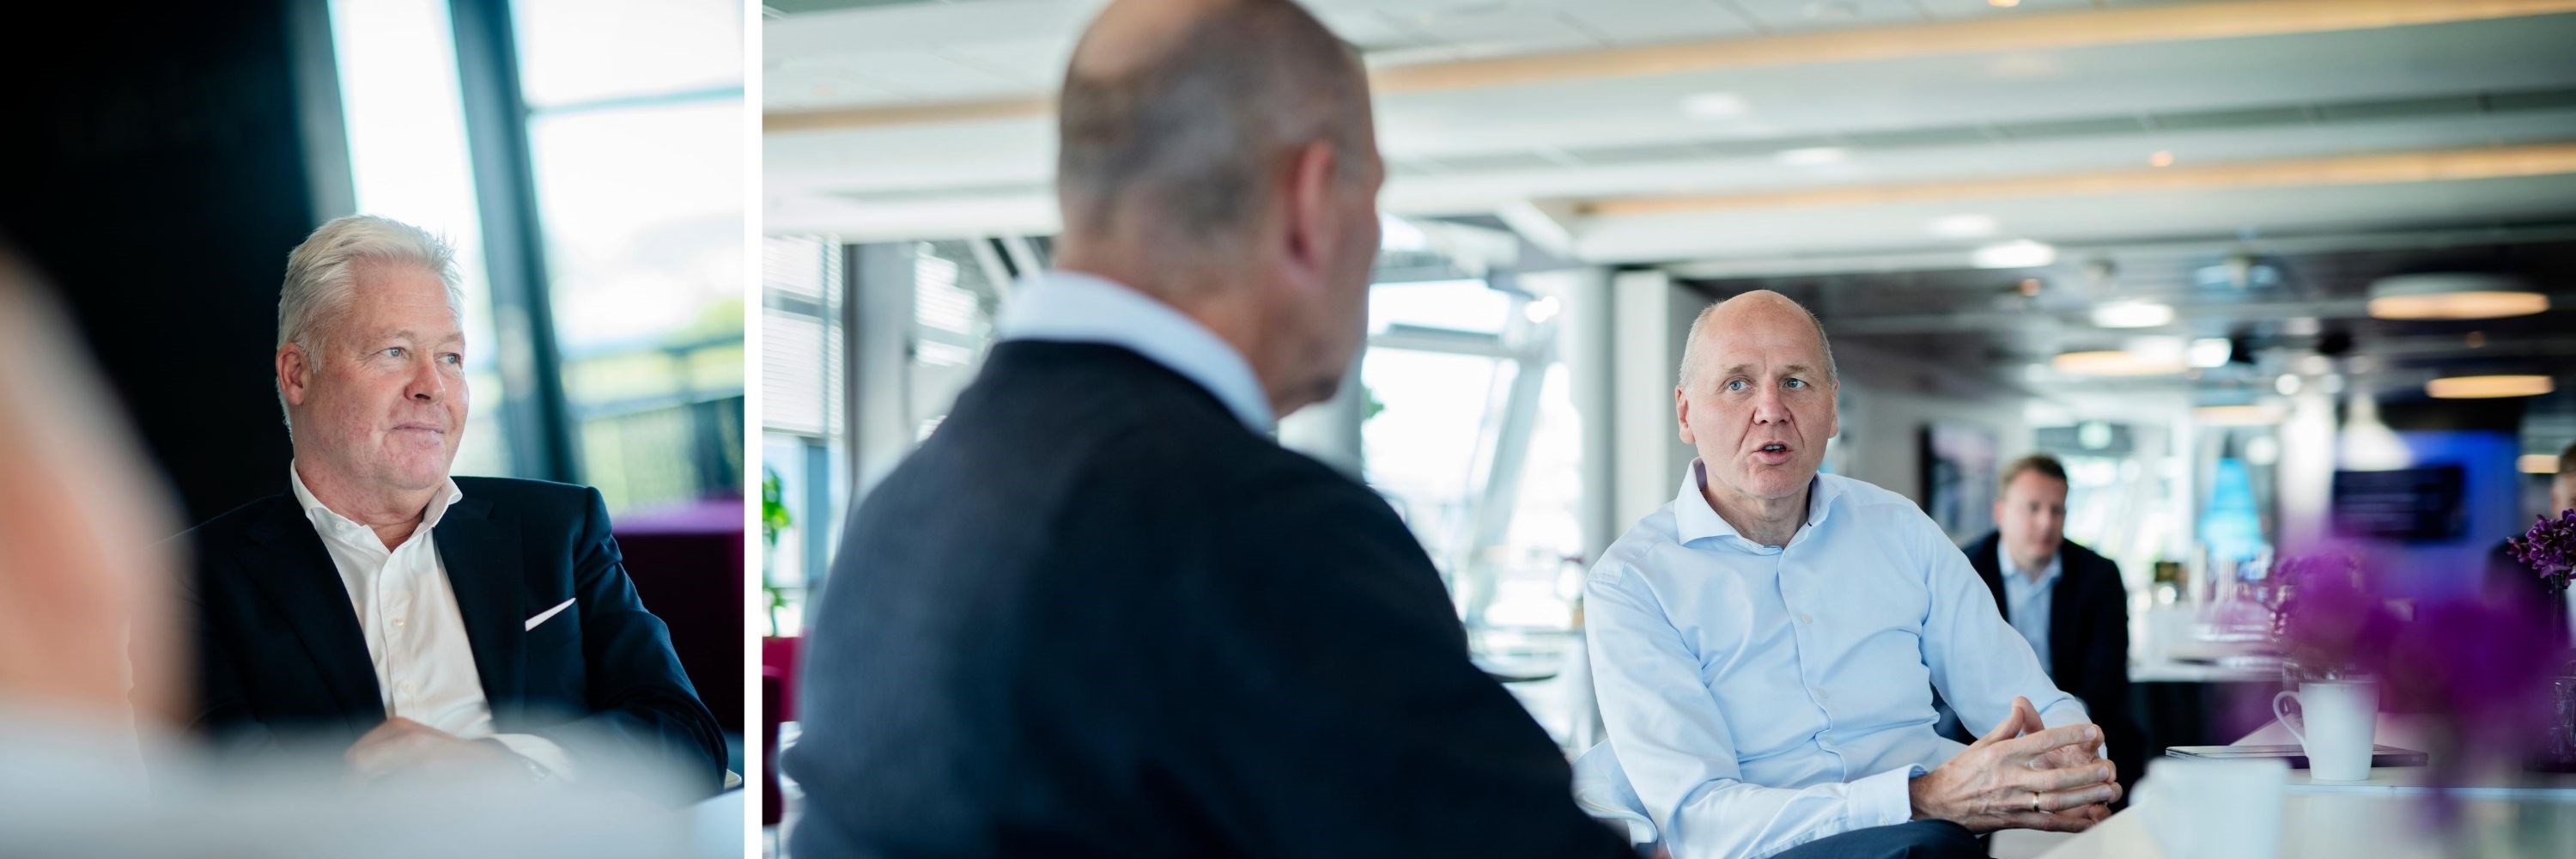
x,y
419,619
2065,599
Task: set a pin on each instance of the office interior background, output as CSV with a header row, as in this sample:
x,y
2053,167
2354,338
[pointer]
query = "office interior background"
x,y
2173,244
186,151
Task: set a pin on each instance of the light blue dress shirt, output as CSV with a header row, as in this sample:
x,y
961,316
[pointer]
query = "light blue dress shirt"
x,y
1073,307
1758,698
2029,601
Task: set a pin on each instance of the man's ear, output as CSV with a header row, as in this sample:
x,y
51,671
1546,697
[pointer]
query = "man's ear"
x,y
1309,196
1681,415
294,373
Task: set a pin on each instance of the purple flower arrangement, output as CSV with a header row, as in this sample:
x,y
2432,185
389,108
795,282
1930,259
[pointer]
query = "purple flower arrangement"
x,y
2331,623
2477,668
2549,549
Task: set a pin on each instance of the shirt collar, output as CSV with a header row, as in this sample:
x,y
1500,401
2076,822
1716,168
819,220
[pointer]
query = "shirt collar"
x,y
329,521
2014,573
1694,519
1073,307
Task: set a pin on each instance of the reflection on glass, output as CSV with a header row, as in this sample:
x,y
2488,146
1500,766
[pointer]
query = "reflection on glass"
x,y
407,158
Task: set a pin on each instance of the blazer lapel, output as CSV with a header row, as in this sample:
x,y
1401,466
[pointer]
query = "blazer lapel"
x,y
288,561
1982,558
481,553
2062,620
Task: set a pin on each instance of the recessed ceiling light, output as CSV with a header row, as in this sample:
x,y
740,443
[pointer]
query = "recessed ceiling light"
x,y
2162,158
2003,4
2488,387
2537,463
1713,105
2116,362
1965,225
2237,416
1814,156
2453,296
2133,314
1540,311
2208,352
2288,384
2019,253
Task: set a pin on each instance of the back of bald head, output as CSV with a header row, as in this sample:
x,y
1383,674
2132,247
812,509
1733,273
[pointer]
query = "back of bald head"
x,y
1174,113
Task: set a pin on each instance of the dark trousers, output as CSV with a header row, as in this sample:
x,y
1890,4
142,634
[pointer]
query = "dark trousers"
x,y
1921,839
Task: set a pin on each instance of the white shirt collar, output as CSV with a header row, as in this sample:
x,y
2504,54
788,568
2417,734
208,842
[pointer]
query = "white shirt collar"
x,y
1693,518
1073,307
2014,573
329,521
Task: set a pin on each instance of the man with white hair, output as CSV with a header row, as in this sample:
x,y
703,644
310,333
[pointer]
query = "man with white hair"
x,y
413,619
1765,646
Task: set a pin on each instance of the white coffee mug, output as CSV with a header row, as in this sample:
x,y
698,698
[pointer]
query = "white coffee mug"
x,y
2335,725
2213,809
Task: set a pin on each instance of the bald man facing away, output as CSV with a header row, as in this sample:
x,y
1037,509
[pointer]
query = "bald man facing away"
x,y
1100,612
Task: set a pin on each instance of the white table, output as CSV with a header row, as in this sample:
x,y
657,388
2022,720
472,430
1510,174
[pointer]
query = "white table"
x,y
2502,814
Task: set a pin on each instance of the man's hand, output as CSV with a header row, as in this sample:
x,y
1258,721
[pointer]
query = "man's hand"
x,y
2021,776
402,744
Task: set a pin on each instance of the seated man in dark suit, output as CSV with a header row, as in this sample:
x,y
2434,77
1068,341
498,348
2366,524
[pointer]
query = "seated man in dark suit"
x,y
1100,612
416,619
2066,600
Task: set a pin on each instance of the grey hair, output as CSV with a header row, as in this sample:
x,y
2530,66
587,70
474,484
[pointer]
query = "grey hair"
x,y
1699,324
322,275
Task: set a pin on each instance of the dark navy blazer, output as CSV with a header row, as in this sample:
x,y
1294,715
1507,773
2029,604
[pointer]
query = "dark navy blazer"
x,y
280,657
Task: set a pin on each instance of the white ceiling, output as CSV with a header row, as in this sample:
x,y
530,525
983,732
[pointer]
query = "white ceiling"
x,y
1552,145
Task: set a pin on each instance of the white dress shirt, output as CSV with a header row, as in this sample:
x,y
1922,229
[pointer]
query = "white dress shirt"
x,y
1073,307
415,634
2029,600
1762,697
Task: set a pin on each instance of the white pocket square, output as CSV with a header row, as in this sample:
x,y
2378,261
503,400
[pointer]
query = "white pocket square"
x,y
541,618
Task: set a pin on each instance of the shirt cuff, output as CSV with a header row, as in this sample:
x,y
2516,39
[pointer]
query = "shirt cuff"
x,y
549,756
1885,799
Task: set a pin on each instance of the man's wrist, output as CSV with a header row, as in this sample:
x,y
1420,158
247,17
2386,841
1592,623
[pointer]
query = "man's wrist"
x,y
1914,798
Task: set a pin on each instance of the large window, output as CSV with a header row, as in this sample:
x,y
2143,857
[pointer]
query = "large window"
x,y
1471,432
610,144
644,276
804,425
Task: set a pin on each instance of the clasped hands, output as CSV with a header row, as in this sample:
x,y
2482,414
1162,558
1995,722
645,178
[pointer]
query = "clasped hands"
x,y
401,745
2021,775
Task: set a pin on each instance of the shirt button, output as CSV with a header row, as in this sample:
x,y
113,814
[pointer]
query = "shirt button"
x,y
405,688
1805,619
398,623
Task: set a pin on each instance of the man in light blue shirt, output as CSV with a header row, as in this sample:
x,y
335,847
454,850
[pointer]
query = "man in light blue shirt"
x,y
1765,647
